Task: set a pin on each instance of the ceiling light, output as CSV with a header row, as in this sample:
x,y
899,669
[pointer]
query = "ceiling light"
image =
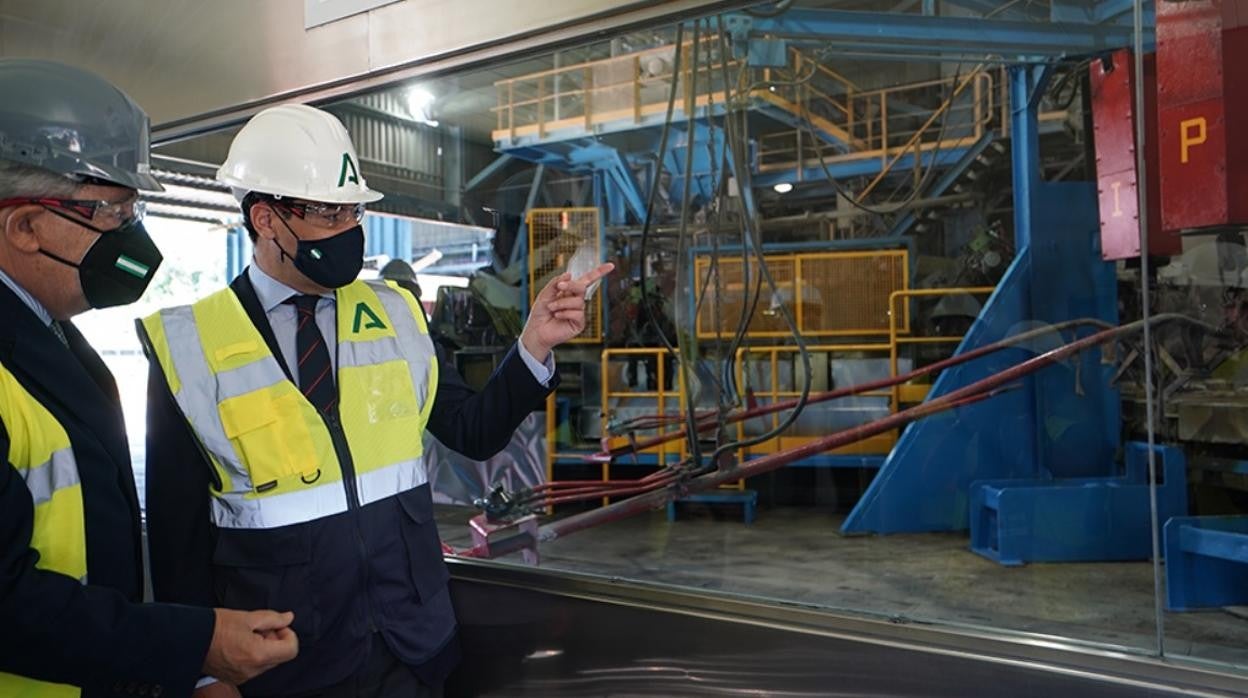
x,y
420,105
783,188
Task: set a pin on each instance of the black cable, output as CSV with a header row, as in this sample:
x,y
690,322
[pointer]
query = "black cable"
x,y
923,182
850,198
743,182
749,303
691,424
654,191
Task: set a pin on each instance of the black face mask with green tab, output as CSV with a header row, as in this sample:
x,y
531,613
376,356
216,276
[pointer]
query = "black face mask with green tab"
x,y
331,262
119,266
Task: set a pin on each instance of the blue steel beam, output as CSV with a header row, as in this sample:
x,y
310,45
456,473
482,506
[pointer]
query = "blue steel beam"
x,y
521,244
622,175
856,168
489,171
1118,10
921,34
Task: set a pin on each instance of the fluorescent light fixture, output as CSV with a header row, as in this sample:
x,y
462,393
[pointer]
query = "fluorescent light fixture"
x,y
420,105
783,188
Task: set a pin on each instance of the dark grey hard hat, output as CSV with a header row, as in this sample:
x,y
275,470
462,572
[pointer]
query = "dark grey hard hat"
x,y
74,123
398,270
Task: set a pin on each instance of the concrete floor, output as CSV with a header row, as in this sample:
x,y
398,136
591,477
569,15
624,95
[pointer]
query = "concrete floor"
x,y
796,554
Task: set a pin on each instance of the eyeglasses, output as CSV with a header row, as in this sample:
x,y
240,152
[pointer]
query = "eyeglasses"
x,y
103,215
323,215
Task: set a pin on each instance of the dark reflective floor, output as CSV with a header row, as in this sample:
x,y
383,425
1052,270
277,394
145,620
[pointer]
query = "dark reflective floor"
x,y
521,642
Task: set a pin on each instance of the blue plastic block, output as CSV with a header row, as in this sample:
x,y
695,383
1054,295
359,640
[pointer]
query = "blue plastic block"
x,y
747,498
1015,522
1206,562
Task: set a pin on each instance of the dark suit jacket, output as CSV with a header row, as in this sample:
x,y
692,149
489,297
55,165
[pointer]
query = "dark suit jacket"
x,y
186,549
98,636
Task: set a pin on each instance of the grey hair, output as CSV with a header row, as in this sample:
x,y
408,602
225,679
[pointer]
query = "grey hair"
x,y
18,179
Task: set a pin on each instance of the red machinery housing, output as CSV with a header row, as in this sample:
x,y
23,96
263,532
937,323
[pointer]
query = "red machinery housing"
x,y
1202,100
1113,118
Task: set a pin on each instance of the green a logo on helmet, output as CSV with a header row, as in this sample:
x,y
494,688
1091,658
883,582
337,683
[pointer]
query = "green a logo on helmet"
x,y
348,164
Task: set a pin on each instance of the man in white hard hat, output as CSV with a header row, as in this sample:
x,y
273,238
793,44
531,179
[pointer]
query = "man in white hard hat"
x,y
73,155
286,422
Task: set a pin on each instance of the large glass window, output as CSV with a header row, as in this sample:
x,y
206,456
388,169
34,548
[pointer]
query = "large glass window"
x,y
886,263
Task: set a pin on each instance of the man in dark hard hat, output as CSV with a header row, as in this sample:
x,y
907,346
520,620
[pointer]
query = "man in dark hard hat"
x,y
73,155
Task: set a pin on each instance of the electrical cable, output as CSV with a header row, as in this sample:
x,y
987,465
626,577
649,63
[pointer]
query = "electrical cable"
x,y
654,190
741,174
851,198
881,384
688,354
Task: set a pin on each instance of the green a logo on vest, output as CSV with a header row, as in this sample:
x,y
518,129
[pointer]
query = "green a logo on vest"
x,y
362,311
348,165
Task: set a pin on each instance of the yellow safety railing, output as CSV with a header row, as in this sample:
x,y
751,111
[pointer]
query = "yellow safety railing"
x,y
909,393
880,443
880,123
555,235
670,402
663,398
814,285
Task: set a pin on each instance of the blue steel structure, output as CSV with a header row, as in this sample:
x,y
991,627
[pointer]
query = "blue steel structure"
x,y
1059,431
1015,522
237,251
1065,420
388,235
1206,562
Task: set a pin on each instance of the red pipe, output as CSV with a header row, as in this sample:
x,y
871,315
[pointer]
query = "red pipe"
x,y
739,416
618,489
980,389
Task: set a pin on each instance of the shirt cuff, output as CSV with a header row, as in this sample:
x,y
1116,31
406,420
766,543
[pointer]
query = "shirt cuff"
x,y
206,681
542,373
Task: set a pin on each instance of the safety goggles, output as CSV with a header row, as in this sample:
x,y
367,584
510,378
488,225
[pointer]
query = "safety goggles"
x,y
322,215
102,215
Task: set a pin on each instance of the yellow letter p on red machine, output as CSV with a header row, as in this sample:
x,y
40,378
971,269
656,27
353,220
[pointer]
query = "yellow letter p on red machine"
x,y
1202,101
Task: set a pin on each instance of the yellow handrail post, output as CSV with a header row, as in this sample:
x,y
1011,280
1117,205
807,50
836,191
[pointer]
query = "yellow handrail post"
x,y
978,116
849,115
883,132
541,107
511,109
637,89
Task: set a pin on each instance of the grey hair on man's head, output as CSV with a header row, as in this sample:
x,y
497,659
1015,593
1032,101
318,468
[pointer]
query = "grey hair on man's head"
x,y
18,180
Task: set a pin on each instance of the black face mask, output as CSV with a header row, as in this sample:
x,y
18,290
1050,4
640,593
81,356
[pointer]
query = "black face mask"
x,y
118,267
333,262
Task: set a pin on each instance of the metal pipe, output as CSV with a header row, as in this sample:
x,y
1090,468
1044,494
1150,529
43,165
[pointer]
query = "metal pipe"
x,y
974,392
1141,168
759,466
743,415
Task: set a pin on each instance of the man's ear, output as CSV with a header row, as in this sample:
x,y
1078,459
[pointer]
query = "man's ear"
x,y
18,228
262,220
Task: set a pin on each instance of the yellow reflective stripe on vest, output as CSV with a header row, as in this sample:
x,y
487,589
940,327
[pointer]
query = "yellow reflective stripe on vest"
x,y
255,423
40,450
189,360
413,304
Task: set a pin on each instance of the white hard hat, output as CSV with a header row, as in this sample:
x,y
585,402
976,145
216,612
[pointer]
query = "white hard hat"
x,y
297,151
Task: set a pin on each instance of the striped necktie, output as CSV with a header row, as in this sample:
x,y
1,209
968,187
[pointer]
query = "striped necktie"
x,y
316,377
